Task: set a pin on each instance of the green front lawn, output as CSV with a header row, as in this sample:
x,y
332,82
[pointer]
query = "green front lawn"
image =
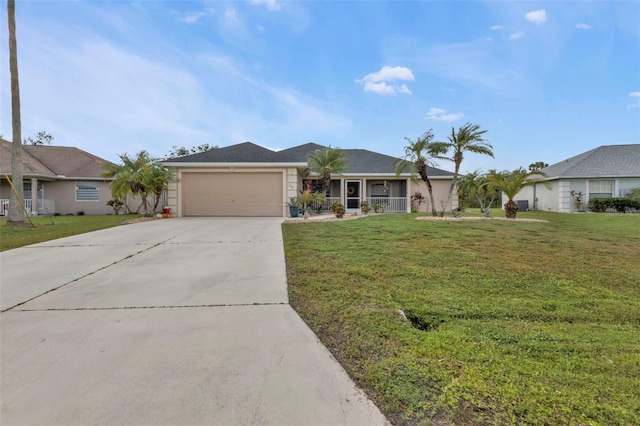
x,y
63,226
510,323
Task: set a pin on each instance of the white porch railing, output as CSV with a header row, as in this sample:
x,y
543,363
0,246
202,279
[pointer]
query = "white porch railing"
x,y
389,204
44,206
328,202
326,205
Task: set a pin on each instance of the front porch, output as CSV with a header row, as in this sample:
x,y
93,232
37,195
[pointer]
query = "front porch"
x,y
382,204
383,195
45,207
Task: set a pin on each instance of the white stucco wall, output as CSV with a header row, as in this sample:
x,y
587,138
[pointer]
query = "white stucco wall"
x,y
556,196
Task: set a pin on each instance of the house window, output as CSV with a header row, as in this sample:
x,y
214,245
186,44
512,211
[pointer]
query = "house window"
x,y
87,191
379,190
26,186
600,189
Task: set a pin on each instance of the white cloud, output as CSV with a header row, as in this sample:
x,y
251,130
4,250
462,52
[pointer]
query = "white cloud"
x,y
380,82
497,28
270,4
439,114
231,17
583,26
634,95
516,35
536,16
191,17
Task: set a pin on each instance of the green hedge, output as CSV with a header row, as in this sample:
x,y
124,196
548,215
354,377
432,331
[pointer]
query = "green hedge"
x,y
620,204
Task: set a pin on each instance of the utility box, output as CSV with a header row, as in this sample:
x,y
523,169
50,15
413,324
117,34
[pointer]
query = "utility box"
x,y
523,205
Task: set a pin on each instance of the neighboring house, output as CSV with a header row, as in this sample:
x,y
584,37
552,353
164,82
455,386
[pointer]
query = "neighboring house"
x,y
249,180
606,171
57,179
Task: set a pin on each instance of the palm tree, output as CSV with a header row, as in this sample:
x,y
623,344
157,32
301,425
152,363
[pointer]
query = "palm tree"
x,y
16,206
511,183
130,177
418,156
327,162
157,178
476,185
634,194
468,138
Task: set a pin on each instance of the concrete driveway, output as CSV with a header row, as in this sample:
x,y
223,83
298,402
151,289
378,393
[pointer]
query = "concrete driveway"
x,y
181,321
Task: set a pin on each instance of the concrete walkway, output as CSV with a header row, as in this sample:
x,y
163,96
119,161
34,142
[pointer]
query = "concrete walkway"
x,y
170,322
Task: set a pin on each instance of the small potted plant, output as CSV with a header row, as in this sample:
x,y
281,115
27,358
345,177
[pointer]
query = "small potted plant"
x,y
307,197
294,206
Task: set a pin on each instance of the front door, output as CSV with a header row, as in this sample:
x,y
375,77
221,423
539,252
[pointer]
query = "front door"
x,y
353,195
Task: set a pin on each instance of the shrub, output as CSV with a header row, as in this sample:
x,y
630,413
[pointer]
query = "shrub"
x,y
619,204
416,199
117,204
364,207
337,208
379,208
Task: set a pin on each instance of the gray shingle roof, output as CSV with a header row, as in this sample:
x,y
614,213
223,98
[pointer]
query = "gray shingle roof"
x,y
300,153
604,161
361,161
53,161
246,152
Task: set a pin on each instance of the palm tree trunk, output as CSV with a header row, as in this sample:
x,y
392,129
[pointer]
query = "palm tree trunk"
x,y
434,213
16,212
451,188
158,196
421,168
145,203
510,209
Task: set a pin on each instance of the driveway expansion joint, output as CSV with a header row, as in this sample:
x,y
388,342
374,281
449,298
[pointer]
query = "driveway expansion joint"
x,y
116,308
84,276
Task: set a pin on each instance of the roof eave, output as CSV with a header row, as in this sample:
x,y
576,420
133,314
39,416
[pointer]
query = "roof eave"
x,y
227,165
83,178
589,177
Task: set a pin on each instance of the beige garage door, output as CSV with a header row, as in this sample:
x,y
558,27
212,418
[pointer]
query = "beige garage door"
x,y
232,194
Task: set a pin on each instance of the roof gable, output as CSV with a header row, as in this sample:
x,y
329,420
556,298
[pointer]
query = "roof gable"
x,y
301,152
68,161
31,166
604,161
246,152
53,161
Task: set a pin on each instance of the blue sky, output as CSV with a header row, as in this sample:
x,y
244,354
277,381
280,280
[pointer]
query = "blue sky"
x,y
548,80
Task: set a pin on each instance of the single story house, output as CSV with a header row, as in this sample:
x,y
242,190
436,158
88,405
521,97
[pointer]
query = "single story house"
x,y
57,179
249,180
606,171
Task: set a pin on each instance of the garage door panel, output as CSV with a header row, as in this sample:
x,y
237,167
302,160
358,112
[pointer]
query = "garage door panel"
x,y
232,194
